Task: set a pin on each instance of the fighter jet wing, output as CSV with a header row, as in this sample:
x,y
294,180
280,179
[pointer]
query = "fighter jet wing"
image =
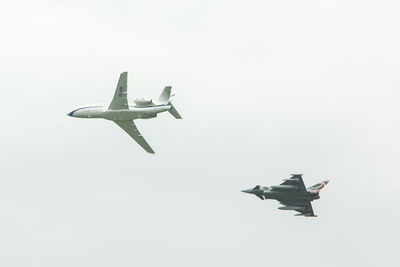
x,y
130,128
305,208
120,100
293,183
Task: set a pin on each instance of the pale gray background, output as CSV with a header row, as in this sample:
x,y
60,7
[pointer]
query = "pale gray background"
x,y
266,88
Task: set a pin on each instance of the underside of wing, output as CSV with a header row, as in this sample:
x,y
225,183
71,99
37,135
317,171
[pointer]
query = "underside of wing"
x,y
304,208
130,128
120,100
293,183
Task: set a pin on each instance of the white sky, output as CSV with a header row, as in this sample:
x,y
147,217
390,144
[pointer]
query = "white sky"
x,y
266,89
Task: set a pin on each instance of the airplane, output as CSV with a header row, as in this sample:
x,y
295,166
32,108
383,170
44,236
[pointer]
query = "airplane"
x,y
123,114
292,194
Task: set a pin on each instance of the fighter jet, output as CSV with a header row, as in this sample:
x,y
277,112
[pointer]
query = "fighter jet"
x,y
292,194
123,114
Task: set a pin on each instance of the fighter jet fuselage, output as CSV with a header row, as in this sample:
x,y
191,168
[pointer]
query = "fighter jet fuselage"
x,y
292,193
282,195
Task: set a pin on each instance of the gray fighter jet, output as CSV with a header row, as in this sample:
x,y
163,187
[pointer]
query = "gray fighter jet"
x,y
292,194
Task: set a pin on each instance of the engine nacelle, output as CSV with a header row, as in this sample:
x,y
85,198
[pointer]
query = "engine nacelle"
x,y
142,102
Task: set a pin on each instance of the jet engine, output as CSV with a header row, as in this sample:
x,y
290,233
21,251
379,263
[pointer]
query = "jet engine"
x,y
142,102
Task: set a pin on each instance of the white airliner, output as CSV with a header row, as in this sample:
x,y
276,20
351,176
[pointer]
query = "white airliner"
x,y
123,114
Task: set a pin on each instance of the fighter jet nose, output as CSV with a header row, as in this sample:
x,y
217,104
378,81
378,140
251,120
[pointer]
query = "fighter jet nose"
x,y
257,192
326,181
249,191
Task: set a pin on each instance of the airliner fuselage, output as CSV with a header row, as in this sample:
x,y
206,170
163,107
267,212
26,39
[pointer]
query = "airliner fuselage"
x,y
133,113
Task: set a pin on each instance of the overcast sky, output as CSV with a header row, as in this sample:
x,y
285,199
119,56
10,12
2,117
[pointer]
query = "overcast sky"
x,y
265,88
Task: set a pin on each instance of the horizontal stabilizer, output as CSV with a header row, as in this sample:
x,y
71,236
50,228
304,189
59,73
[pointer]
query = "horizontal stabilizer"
x,y
174,112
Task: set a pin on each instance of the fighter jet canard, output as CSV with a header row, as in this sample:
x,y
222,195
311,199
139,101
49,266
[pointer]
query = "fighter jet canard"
x,y
292,194
123,114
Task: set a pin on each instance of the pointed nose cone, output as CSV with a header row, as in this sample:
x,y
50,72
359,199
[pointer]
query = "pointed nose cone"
x,y
326,181
249,191
255,191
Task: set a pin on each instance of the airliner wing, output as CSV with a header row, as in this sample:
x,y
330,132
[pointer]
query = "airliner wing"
x,y
120,100
130,128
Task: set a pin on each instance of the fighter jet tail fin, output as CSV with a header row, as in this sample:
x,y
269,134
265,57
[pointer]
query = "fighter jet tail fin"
x,y
318,187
